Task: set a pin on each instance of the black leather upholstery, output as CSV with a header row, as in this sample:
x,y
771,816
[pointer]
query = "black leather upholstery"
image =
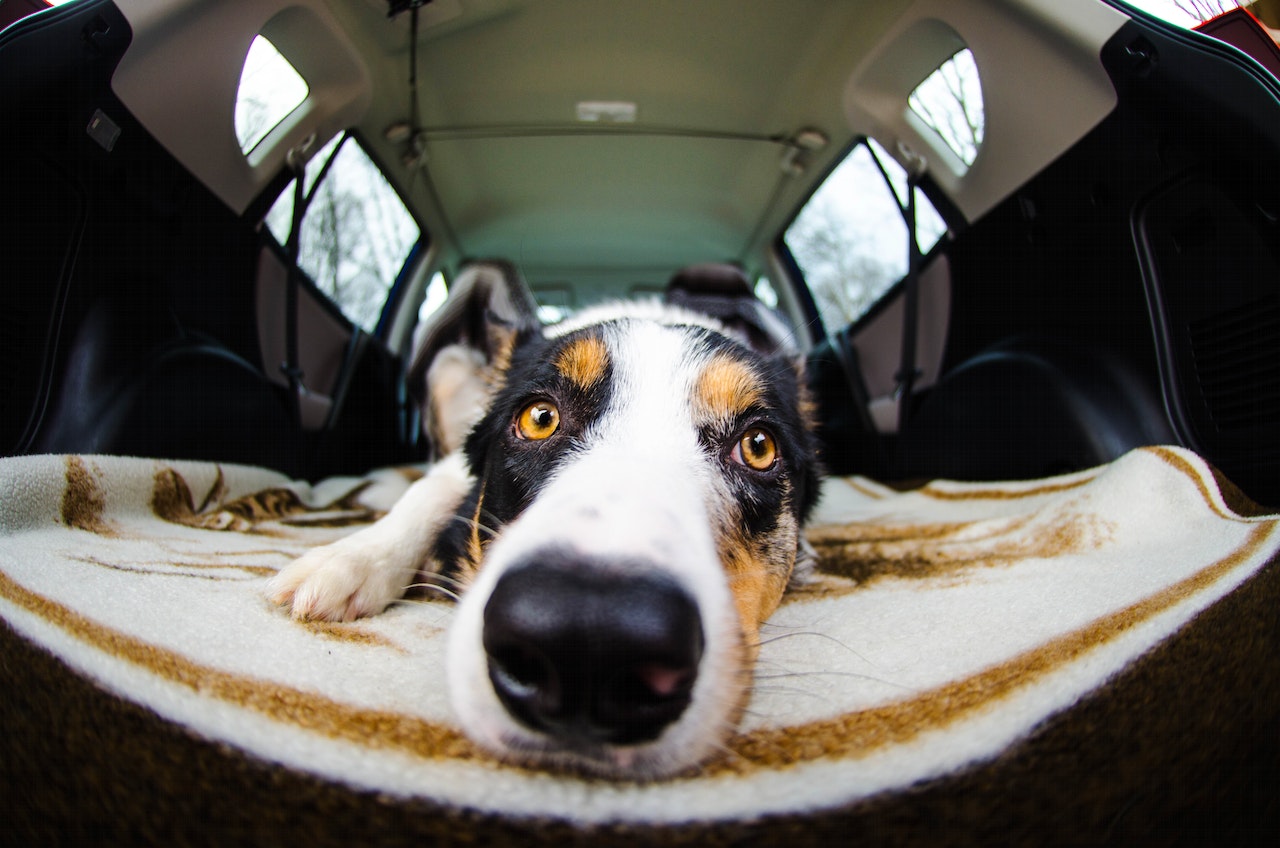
x,y
1025,409
135,383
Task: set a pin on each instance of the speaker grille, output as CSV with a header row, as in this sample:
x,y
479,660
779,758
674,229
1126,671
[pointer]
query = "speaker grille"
x,y
1237,364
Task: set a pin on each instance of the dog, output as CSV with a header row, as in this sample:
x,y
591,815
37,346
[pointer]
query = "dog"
x,y
621,497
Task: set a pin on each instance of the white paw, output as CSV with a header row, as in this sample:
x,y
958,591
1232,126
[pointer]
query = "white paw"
x,y
343,581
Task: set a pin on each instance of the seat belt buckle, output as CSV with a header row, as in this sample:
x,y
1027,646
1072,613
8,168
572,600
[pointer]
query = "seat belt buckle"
x,y
903,381
295,375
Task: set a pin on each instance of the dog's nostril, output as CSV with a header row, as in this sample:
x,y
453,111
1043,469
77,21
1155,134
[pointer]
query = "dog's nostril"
x,y
523,672
659,681
592,656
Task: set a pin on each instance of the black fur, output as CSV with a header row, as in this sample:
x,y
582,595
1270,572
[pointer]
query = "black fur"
x,y
797,476
510,471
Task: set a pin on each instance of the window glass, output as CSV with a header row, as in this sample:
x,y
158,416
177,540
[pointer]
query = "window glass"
x,y
949,101
437,292
280,218
356,234
270,88
555,303
1187,13
929,224
850,239
765,292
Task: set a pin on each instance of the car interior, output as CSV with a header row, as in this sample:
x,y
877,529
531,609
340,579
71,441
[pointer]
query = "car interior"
x,y
1087,264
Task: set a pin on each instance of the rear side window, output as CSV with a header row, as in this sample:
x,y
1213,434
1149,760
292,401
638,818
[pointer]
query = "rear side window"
x,y
555,303
356,234
850,239
1187,13
270,89
949,102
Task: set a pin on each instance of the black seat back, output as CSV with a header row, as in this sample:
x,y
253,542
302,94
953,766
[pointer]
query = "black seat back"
x,y
723,291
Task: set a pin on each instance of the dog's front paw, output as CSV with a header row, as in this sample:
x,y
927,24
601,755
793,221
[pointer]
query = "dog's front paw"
x,y
343,581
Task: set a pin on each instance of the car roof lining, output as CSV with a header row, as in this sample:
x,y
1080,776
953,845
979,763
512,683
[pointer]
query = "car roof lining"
x,y
720,86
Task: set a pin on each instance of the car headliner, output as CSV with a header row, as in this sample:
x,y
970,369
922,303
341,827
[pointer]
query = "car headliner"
x,y
720,87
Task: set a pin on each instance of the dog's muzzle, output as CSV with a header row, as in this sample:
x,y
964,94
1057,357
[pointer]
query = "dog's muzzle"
x,y
589,654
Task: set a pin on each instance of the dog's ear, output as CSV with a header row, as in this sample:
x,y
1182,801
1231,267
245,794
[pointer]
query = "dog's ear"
x,y
808,447
464,347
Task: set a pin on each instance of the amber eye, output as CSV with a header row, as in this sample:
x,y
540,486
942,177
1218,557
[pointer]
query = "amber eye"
x,y
538,421
756,449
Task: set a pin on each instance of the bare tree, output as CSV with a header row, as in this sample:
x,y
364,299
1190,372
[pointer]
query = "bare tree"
x,y
356,235
842,271
950,101
1205,9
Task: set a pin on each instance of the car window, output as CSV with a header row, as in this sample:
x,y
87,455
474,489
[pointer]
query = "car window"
x,y
356,234
434,297
765,292
555,303
850,239
949,102
1185,13
270,89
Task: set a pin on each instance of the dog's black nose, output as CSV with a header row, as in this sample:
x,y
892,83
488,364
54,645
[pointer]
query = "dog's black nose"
x,y
592,655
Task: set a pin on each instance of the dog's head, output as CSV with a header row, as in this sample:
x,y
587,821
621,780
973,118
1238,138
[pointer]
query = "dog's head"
x,y
641,481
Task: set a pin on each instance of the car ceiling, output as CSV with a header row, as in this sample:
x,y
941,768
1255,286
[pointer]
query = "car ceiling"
x,y
719,86
721,89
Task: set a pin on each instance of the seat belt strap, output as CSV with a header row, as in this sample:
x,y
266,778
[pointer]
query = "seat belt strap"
x,y
908,370
291,367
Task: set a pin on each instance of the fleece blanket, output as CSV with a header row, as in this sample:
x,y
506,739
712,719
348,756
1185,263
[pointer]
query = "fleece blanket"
x,y
1079,659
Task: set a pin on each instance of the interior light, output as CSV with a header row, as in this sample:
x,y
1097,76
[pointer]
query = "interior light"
x,y
607,111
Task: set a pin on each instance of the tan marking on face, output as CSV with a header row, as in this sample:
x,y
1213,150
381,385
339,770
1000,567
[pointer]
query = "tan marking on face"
x,y
584,361
726,388
758,572
475,548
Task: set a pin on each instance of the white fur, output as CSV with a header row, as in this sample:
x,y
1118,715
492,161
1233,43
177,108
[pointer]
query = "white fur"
x,y
638,490
362,573
651,309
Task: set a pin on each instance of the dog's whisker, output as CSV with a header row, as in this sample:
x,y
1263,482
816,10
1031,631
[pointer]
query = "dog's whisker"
x,y
448,593
851,675
420,602
792,694
811,633
561,553
490,515
434,578
471,522
721,748
444,580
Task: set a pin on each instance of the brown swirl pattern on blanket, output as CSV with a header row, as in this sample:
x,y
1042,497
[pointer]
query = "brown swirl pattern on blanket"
x,y
857,551
83,501
1135,750
173,501
84,504
857,734
307,710
852,735
865,552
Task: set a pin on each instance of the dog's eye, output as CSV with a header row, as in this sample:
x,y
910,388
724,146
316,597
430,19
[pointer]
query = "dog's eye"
x,y
538,421
756,449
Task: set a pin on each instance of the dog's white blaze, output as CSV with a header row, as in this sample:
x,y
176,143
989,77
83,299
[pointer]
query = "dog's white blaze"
x,y
638,490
